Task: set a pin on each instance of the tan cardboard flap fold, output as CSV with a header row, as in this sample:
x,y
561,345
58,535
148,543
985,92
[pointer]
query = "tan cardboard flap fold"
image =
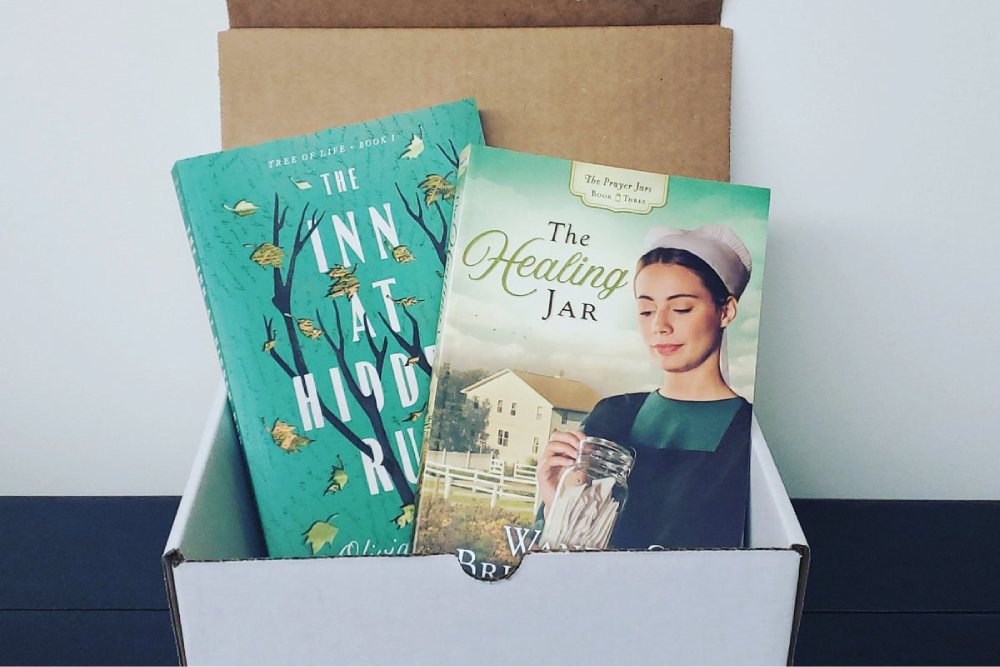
x,y
465,14
654,98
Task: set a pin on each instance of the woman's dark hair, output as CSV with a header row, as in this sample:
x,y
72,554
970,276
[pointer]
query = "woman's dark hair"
x,y
709,278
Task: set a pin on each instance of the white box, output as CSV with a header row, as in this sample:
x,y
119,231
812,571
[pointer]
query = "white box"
x,y
232,605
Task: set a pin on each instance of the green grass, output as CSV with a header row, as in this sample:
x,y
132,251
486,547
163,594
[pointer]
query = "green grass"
x,y
460,496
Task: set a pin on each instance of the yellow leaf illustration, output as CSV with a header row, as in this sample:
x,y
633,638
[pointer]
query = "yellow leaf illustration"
x,y
437,187
242,208
401,253
320,534
308,330
267,254
406,517
301,185
272,338
408,301
346,285
338,477
285,437
339,271
415,147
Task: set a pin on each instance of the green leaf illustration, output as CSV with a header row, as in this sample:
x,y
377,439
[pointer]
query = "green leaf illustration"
x,y
338,477
320,534
406,518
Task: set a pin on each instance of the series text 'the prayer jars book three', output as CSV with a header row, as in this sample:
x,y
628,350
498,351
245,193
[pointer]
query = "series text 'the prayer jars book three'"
x,y
321,259
595,362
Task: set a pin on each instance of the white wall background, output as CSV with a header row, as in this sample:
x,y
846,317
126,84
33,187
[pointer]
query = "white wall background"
x,y
107,366
876,125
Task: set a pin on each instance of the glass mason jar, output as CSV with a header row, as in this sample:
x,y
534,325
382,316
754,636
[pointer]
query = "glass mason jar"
x,y
589,497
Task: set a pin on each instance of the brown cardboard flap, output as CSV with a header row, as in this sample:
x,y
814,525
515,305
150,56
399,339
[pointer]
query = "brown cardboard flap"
x,y
654,98
469,13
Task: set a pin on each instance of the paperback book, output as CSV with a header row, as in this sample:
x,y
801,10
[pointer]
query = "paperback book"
x,y
321,259
595,362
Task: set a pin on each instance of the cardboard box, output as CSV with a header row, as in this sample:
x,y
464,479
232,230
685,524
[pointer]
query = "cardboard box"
x,y
483,14
231,605
618,88
653,98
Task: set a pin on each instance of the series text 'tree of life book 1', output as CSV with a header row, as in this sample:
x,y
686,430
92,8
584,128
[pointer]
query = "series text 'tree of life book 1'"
x,y
595,362
321,259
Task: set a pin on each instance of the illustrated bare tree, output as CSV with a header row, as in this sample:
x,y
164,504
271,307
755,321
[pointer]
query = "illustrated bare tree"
x,y
439,241
413,345
298,367
451,155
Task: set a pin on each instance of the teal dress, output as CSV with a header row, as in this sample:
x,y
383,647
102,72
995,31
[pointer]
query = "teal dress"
x,y
690,485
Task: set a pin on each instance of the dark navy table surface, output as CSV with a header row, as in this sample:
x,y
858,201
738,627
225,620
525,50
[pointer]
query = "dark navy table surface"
x,y
891,582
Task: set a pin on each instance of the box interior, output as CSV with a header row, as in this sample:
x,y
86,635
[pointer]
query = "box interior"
x,y
222,587
217,520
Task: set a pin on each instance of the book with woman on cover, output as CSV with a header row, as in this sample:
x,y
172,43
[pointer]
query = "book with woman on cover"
x,y
595,362
321,259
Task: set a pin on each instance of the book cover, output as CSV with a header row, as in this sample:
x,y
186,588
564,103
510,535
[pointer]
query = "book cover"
x,y
321,259
595,362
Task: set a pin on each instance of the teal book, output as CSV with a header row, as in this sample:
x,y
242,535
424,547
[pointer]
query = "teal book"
x,y
596,356
321,259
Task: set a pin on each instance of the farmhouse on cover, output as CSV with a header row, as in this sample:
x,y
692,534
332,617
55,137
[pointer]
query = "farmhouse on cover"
x,y
526,407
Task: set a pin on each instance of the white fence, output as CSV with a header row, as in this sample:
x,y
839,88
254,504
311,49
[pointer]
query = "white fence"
x,y
463,459
492,482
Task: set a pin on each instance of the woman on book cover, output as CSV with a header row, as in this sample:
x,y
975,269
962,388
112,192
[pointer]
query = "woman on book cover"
x,y
689,487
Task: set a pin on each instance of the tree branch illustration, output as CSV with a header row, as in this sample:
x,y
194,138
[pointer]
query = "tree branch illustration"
x,y
276,355
367,401
444,221
300,238
417,214
412,347
282,301
451,157
378,353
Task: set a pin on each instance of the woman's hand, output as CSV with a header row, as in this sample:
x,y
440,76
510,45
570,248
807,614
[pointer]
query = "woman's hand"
x,y
559,454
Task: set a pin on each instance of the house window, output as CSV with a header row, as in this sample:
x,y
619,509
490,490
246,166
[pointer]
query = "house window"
x,y
538,412
503,437
499,406
534,445
565,417
513,409
475,402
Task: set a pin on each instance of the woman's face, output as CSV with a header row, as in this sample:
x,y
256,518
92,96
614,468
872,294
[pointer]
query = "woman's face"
x,y
680,324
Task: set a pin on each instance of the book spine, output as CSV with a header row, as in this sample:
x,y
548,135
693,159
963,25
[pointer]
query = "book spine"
x,y
456,218
193,244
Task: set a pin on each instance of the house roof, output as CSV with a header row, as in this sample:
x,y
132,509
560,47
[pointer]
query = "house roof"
x,y
559,391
